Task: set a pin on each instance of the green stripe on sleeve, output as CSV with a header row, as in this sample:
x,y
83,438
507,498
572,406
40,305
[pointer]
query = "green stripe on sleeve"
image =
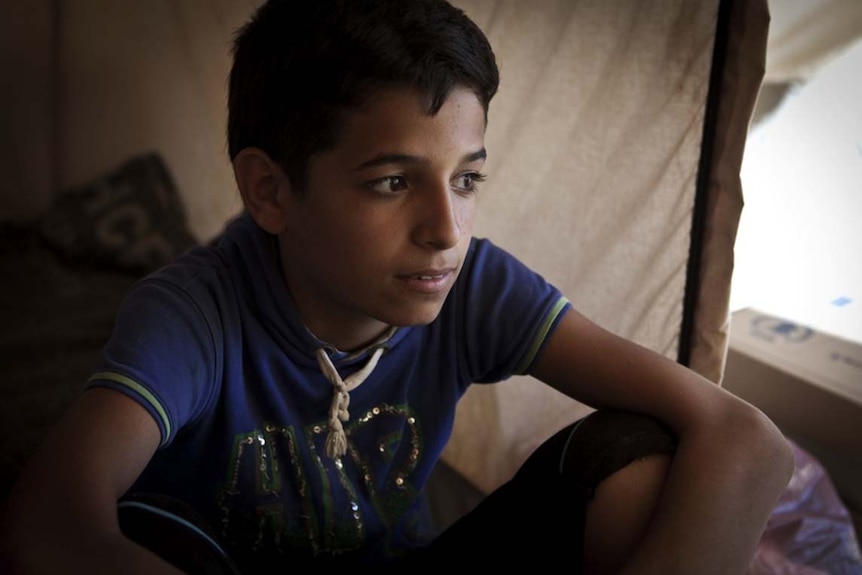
x,y
140,390
541,335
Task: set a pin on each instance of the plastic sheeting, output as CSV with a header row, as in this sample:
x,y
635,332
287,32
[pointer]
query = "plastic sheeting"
x,y
810,532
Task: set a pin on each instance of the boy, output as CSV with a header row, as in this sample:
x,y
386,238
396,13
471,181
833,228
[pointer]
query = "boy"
x,y
292,387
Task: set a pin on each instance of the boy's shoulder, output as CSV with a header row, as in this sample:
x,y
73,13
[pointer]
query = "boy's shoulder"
x,y
214,260
197,267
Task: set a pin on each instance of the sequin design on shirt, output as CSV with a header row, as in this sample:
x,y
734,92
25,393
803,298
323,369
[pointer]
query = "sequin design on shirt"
x,y
331,499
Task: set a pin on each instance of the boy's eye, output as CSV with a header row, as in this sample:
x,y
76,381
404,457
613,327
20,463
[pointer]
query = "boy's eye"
x,y
469,182
388,185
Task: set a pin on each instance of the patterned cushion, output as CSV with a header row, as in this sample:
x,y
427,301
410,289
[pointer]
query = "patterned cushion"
x,y
131,217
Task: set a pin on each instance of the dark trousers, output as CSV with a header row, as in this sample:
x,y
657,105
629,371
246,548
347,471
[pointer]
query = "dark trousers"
x,y
541,511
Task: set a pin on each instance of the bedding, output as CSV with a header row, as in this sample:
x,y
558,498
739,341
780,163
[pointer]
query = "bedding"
x,y
63,277
56,316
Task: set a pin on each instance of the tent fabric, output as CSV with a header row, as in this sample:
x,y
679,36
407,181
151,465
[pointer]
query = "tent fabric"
x,y
141,76
596,189
739,73
27,96
594,149
805,34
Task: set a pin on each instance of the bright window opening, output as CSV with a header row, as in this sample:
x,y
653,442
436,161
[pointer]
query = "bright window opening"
x,y
798,252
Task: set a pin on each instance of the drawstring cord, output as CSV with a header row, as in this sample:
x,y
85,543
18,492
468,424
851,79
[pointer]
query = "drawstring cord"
x,y
336,439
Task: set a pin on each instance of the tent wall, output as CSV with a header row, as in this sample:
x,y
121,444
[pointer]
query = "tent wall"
x,y
27,99
603,181
804,35
595,156
739,62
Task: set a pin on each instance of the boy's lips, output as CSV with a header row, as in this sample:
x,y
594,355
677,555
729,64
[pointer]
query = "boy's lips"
x,y
429,280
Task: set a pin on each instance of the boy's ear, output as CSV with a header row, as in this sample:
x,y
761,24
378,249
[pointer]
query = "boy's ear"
x,y
262,184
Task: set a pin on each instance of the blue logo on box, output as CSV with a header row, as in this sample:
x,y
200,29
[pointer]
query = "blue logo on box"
x,y
780,330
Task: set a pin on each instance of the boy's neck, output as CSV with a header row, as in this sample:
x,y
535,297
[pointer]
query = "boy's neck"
x,y
362,349
341,335
350,342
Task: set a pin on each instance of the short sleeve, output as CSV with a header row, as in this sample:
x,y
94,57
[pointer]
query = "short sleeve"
x,y
508,310
162,353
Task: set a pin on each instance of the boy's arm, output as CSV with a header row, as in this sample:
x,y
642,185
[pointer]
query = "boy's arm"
x,y
731,464
61,516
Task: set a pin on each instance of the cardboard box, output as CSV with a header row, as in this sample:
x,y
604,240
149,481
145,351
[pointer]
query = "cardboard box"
x,y
809,383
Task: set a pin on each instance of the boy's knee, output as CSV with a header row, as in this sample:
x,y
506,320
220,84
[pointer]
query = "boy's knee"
x,y
620,512
620,462
577,484
607,441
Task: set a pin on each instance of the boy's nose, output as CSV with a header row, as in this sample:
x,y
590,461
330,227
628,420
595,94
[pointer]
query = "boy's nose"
x,y
439,219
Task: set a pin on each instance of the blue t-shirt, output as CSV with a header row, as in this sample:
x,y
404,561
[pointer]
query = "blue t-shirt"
x,y
214,349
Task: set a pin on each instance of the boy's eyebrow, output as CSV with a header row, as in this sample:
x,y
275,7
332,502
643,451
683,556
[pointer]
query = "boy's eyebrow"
x,y
475,156
383,159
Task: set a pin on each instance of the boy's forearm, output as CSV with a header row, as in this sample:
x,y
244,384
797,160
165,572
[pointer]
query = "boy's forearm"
x,y
722,487
54,527
79,553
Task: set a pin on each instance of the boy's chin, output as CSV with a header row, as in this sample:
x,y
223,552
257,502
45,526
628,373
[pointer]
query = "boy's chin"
x,y
415,317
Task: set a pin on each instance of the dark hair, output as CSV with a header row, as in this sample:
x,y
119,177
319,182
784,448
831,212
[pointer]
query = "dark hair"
x,y
298,65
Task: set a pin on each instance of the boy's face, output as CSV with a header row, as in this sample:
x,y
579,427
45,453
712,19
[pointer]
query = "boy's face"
x,y
379,235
